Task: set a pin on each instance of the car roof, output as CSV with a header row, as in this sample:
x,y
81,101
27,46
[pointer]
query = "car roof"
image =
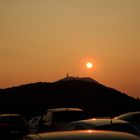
x,y
64,109
98,122
9,115
128,113
83,135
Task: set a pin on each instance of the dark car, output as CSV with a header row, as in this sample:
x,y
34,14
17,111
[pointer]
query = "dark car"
x,y
55,119
33,124
131,117
102,124
13,126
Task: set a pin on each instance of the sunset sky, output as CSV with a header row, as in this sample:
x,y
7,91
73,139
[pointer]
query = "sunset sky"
x,y
43,40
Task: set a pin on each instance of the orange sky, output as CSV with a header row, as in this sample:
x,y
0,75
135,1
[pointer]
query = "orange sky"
x,y
42,40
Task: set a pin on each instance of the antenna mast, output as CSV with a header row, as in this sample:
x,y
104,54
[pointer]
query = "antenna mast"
x,y
67,75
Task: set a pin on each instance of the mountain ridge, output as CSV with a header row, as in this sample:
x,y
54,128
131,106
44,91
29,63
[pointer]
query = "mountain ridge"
x,y
78,78
84,92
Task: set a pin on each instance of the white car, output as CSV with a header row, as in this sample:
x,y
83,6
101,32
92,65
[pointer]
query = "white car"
x,y
131,117
82,135
56,118
102,124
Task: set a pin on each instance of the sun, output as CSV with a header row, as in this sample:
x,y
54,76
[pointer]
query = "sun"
x,y
89,65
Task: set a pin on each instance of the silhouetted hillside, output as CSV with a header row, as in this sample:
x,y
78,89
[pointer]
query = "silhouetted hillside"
x,y
86,93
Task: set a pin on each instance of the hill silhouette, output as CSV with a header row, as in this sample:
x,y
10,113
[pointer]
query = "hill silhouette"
x,y
32,99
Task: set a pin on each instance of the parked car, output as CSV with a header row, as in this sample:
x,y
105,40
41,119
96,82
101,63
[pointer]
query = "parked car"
x,y
102,124
55,119
13,126
82,135
131,117
33,124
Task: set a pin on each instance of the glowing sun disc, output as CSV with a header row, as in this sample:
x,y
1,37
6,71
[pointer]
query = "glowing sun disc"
x,y
89,65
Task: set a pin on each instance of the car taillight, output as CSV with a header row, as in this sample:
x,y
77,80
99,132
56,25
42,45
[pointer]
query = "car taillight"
x,y
7,124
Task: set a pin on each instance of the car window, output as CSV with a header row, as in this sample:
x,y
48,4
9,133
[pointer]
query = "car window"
x,y
74,127
47,117
104,127
119,127
68,116
125,128
79,127
70,127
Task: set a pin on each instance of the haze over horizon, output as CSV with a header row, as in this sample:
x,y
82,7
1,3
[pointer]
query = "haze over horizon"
x,y
42,40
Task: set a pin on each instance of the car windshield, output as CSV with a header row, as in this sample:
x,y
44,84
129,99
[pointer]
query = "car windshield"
x,y
129,117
